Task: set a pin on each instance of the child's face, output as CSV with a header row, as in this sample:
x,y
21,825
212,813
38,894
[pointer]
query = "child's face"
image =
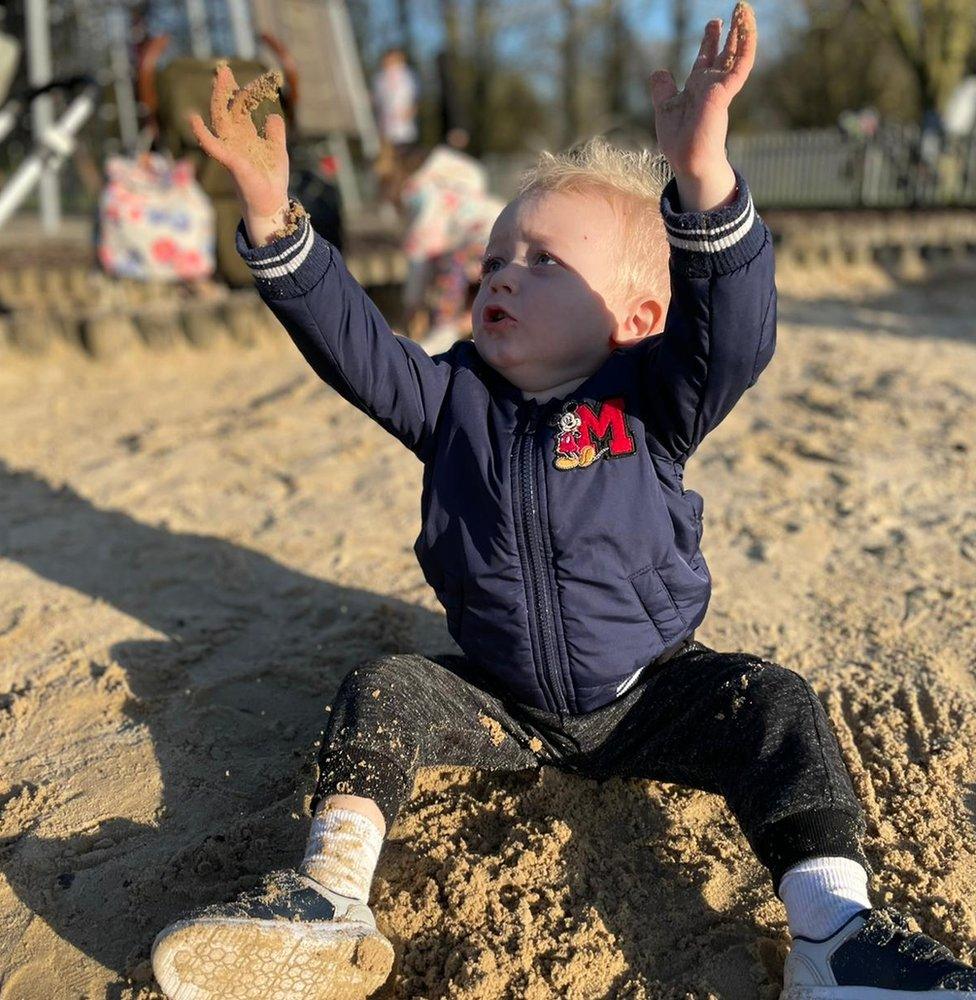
x,y
550,265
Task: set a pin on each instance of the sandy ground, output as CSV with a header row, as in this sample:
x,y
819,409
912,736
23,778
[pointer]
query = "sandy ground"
x,y
194,547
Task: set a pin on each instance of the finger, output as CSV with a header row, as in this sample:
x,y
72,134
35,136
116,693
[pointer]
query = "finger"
x,y
262,88
740,47
274,130
708,50
224,86
228,73
209,143
663,87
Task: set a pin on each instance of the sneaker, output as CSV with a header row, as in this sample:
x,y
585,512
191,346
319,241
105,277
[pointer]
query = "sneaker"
x,y
875,956
288,939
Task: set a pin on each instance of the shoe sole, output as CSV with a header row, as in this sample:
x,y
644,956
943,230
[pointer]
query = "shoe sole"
x,y
246,959
870,993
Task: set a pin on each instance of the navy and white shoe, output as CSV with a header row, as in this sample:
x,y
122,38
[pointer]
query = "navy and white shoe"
x,y
288,939
874,956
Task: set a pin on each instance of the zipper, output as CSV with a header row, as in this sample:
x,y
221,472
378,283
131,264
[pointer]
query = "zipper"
x,y
538,576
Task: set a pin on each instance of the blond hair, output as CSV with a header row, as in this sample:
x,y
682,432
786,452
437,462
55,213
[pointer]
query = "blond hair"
x,y
632,181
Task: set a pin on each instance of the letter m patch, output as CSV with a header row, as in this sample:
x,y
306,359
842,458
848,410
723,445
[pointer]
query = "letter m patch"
x,y
604,426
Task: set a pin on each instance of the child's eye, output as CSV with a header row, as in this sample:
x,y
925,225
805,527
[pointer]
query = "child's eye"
x,y
543,253
488,265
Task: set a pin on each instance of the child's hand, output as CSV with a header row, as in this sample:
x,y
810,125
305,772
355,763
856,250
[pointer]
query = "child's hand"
x,y
257,163
692,124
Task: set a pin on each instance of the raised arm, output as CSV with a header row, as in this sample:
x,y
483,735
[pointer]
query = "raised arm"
x,y
304,281
721,326
693,123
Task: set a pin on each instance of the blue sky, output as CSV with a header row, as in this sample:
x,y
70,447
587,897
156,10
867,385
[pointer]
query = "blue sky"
x,y
529,37
650,20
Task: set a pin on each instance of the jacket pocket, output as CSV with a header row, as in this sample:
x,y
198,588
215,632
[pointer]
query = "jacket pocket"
x,y
697,511
659,604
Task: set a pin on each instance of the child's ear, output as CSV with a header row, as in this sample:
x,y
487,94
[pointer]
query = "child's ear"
x,y
643,317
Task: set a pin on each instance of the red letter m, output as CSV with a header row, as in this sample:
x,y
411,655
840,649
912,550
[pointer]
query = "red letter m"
x,y
607,422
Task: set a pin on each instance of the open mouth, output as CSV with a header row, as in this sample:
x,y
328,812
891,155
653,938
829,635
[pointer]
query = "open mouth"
x,y
495,314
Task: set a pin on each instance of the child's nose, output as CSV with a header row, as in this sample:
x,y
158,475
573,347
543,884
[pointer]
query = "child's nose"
x,y
504,277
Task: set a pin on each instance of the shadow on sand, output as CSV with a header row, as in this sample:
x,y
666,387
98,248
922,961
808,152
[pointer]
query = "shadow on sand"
x,y
233,700
940,306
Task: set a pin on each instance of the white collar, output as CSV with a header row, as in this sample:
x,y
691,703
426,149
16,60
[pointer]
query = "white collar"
x,y
557,391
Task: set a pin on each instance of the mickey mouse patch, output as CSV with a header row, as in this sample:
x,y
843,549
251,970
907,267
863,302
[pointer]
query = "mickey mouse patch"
x,y
588,431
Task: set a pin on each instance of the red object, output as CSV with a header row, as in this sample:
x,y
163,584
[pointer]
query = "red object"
x,y
605,423
165,250
328,166
188,264
568,443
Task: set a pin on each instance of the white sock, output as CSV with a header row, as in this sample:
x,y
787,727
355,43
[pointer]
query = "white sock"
x,y
342,850
821,894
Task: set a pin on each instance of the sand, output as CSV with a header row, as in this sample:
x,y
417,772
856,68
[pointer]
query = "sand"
x,y
194,548
232,109
495,731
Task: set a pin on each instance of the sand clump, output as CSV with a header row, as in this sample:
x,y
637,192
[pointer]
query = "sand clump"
x,y
186,573
263,88
494,727
232,110
294,214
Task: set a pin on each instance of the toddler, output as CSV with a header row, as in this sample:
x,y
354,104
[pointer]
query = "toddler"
x,y
558,535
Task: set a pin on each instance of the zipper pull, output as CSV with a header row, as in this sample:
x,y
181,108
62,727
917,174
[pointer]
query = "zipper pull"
x,y
531,416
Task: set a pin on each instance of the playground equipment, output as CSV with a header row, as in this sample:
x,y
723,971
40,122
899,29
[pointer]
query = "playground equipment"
x,y
53,138
311,40
51,147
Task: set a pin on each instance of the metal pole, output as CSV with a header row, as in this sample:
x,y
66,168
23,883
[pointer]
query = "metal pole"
x,y
125,100
42,110
196,14
351,70
242,27
59,142
345,175
9,114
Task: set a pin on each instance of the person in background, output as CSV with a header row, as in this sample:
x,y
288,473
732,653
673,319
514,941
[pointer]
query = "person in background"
x,y
450,216
395,93
960,111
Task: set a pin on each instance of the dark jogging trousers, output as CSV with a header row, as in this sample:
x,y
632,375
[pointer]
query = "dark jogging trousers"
x,y
728,723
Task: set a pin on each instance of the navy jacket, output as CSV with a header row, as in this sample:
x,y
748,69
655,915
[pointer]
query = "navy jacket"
x,y
557,536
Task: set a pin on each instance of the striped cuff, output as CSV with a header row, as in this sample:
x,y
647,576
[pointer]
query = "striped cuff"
x,y
719,242
290,266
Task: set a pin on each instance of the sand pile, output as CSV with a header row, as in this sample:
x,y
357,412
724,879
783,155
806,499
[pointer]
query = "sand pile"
x,y
195,547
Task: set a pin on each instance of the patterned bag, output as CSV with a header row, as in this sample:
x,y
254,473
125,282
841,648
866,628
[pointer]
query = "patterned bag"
x,y
155,222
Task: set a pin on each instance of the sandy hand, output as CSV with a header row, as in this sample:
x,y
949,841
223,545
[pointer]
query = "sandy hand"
x,y
257,162
693,123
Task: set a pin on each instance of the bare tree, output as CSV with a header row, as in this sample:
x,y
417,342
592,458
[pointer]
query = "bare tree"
x,y
406,30
935,37
680,21
362,26
616,50
570,49
483,66
451,24
452,99
837,59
